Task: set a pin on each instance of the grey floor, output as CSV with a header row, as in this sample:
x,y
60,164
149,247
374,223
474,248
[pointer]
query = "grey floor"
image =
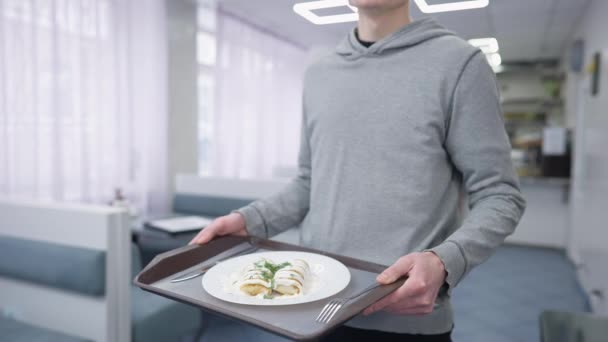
x,y
498,301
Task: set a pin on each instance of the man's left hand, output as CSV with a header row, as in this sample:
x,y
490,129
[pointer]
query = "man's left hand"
x,y
425,275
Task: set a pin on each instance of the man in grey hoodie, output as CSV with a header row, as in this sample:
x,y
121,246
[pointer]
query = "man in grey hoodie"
x,y
397,121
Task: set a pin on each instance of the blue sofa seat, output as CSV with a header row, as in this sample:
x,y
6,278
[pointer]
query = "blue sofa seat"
x,y
54,265
154,243
82,271
206,205
155,318
15,331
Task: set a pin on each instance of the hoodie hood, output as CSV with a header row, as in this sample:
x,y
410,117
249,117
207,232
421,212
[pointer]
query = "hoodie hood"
x,y
410,35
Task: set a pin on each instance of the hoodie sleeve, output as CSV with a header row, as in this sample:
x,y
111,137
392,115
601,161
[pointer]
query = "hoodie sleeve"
x,y
286,209
479,148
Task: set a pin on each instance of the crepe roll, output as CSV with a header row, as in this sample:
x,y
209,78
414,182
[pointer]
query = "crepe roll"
x,y
256,279
290,279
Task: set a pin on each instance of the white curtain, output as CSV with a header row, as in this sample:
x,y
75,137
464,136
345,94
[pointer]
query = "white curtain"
x,y
72,126
258,108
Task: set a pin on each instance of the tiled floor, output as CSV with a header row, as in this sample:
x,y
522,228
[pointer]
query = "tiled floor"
x,y
498,301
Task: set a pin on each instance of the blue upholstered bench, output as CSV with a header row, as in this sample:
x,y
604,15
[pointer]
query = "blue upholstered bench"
x,y
154,243
155,318
207,205
82,271
15,331
210,197
73,269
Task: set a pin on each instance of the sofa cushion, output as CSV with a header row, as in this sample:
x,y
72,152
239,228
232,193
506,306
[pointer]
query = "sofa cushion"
x,y
155,318
207,205
68,268
15,331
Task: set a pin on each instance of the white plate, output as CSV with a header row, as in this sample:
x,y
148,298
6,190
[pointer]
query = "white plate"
x,y
328,277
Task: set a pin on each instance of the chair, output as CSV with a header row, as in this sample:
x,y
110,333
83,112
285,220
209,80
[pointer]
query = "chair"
x,y
560,326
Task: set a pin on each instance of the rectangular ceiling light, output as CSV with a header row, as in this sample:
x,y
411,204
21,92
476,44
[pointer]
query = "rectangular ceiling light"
x,y
487,45
305,9
451,6
494,59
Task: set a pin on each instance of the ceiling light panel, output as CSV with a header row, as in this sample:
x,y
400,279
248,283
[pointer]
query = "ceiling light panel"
x,y
494,59
305,9
451,6
487,45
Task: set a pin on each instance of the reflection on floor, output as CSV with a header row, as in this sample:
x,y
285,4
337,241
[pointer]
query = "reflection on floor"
x,y
498,301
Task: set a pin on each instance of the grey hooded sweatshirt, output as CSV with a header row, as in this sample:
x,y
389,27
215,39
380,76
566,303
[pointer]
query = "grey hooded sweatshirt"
x,y
392,136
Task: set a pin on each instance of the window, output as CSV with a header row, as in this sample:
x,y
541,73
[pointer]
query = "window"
x,y
250,92
205,49
206,55
75,124
206,94
58,100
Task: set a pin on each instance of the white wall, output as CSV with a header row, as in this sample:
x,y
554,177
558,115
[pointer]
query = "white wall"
x,y
589,239
546,220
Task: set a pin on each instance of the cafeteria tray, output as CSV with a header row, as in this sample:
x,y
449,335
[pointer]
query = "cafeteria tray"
x,y
296,322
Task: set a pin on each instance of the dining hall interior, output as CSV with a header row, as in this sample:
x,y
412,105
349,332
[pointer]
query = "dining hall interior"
x,y
126,127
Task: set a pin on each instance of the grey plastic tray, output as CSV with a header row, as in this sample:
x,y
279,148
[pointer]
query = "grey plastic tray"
x,y
296,322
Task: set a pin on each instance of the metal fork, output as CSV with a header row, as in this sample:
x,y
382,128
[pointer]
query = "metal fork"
x,y
333,306
202,271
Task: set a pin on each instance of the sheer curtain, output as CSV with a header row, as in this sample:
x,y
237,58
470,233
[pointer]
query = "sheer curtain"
x,y
70,103
258,107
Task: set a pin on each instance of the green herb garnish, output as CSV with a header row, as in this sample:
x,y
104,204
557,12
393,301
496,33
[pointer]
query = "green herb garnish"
x,y
279,266
273,268
268,272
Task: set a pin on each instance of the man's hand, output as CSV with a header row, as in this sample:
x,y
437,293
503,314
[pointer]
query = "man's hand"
x,y
426,274
232,224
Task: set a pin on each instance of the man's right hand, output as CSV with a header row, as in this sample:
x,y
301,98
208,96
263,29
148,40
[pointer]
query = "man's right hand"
x,y
232,224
